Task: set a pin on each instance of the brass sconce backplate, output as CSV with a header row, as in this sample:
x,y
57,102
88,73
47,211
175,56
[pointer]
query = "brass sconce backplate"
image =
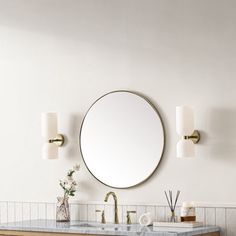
x,y
195,136
59,140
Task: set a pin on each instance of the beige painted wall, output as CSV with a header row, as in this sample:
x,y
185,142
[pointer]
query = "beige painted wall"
x,y
62,55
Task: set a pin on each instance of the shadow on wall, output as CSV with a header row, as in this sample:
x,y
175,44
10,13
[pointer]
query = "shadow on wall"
x,y
71,127
220,134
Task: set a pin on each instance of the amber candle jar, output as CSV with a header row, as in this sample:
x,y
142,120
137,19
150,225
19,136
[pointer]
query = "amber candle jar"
x,y
187,212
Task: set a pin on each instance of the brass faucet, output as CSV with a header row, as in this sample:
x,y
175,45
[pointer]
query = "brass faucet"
x,y
116,220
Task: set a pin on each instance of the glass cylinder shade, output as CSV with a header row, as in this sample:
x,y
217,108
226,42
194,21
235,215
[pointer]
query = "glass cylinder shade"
x,y
49,125
184,120
50,151
185,148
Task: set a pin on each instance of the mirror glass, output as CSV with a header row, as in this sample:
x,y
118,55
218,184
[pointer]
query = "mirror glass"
x,y
122,139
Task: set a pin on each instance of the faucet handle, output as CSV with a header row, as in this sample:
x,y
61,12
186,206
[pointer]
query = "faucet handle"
x,y
103,219
128,217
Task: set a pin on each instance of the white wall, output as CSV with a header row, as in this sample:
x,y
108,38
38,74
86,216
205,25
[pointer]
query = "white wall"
x,y
62,55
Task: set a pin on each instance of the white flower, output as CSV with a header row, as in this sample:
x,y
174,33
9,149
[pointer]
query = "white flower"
x,y
69,185
70,178
75,183
76,167
73,187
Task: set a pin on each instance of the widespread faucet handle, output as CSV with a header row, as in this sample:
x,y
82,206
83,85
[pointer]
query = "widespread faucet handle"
x,y
128,217
103,219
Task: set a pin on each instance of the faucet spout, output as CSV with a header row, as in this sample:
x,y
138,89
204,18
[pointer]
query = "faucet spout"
x,y
116,219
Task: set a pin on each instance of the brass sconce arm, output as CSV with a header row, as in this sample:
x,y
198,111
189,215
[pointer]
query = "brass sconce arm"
x,y
195,136
58,140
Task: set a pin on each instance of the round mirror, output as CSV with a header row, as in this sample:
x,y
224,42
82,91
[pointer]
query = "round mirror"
x,y
122,139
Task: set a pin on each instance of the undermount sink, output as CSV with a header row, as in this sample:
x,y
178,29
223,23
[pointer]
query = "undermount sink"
x,y
85,225
96,226
100,226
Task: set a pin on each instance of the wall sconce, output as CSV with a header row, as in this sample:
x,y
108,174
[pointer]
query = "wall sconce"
x,y
185,128
52,139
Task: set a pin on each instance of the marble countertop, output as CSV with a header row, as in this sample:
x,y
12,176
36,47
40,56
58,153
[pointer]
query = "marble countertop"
x,y
104,229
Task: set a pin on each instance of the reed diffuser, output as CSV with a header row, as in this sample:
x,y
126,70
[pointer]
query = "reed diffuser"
x,y
172,204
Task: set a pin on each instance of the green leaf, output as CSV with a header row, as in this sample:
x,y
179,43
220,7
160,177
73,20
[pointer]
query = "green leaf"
x,y
70,173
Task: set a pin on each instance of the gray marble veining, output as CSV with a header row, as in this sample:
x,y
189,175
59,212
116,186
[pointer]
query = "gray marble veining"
x,y
104,229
